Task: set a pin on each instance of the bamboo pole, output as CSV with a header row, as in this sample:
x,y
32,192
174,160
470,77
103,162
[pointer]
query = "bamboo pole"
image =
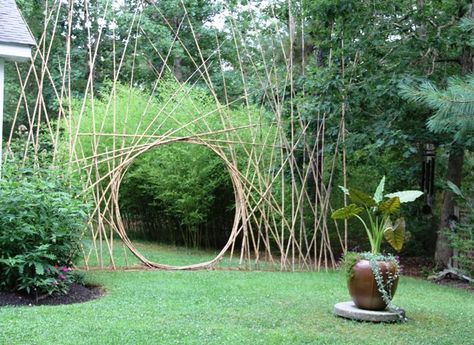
x,y
277,217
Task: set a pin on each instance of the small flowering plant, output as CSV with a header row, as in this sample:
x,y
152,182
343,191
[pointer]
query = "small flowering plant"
x,y
51,280
60,279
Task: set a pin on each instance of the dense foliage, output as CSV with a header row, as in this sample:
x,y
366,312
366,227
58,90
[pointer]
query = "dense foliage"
x,y
362,52
176,193
41,222
348,58
179,193
462,240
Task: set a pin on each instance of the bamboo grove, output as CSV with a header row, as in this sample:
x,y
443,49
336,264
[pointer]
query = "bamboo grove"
x,y
281,165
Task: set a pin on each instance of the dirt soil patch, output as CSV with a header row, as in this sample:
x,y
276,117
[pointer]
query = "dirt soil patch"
x,y
456,283
77,294
420,267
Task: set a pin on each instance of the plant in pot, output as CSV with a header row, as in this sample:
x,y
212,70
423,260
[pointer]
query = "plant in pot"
x,y
372,276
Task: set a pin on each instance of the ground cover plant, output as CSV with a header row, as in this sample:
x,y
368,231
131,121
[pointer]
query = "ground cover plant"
x,y
462,239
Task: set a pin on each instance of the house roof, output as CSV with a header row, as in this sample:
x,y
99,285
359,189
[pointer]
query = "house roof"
x,y
13,28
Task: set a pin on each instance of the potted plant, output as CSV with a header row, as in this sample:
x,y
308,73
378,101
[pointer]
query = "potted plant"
x,y
372,276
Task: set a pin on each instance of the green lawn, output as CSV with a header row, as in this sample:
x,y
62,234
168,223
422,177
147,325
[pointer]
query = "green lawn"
x,y
163,254
236,307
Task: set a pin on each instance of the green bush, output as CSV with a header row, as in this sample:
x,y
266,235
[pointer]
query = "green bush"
x,y
462,238
41,224
463,242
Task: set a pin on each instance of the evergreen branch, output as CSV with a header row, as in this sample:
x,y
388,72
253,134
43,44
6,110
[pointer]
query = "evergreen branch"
x,y
454,106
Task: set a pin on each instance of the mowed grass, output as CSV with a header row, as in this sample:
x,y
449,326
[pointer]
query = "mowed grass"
x,y
160,253
236,307
163,254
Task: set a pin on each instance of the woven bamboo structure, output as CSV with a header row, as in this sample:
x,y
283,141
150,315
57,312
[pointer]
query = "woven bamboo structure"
x,y
272,201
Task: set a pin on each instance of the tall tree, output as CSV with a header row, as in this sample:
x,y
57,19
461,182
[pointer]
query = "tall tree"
x,y
364,49
454,116
447,120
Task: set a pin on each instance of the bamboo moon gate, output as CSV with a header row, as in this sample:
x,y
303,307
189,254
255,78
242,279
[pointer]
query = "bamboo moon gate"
x,y
272,156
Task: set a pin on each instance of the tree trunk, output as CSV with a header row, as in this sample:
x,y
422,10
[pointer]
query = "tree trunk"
x,y
178,69
444,252
467,57
177,61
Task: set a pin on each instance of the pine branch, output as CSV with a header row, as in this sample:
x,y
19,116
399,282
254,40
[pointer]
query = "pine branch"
x,y
454,106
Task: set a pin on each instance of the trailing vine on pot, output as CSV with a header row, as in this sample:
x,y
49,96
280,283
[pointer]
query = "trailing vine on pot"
x,y
385,287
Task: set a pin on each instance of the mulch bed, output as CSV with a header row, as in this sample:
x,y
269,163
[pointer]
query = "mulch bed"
x,y
456,283
77,294
420,267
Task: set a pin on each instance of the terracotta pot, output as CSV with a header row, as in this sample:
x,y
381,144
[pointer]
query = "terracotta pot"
x,y
363,287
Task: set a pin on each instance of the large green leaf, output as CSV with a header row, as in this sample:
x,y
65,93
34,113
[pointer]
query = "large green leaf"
x,y
347,212
390,206
378,196
406,195
395,234
455,189
360,198
344,190
39,269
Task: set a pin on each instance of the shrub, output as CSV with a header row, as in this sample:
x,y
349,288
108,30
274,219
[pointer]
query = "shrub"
x,y
463,242
41,224
462,238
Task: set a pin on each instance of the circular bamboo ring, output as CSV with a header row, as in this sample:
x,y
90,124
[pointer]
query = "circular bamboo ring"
x,y
240,209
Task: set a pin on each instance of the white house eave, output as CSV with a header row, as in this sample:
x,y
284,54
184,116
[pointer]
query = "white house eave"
x,y
15,52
